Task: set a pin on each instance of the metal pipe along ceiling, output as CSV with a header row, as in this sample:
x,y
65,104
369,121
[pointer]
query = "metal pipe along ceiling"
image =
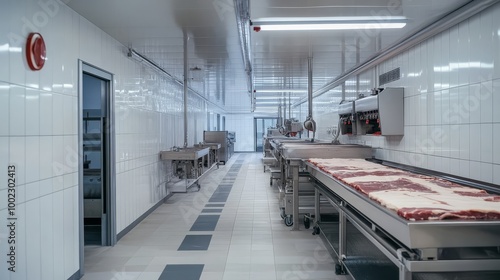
x,y
468,10
242,11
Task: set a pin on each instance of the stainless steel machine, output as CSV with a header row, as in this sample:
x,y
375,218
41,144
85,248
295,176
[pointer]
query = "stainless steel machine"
x,y
225,139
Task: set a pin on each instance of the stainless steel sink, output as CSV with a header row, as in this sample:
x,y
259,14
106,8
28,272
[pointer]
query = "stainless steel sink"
x,y
213,146
189,153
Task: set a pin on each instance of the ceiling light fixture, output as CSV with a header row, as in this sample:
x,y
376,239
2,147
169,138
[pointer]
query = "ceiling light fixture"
x,y
327,23
281,90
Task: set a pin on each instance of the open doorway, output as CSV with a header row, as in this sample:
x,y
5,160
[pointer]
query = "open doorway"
x,y
261,125
96,170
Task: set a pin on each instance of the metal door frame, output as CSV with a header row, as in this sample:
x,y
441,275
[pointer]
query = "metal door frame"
x,y
111,236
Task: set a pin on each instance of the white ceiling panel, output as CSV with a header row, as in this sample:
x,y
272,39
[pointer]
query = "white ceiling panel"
x,y
156,29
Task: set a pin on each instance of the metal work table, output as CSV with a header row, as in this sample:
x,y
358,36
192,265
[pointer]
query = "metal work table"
x,y
414,247
214,152
290,155
189,165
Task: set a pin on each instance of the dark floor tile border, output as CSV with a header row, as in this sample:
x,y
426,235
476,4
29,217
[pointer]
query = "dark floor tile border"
x,y
195,243
182,272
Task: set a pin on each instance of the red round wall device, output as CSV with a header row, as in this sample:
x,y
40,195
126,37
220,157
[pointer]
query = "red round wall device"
x,y
35,51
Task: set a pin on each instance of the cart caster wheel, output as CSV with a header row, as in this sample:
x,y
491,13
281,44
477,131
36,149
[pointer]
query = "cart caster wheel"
x,y
288,221
307,222
338,269
282,213
315,230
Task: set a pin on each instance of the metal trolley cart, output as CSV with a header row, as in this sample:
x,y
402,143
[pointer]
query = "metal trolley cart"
x,y
372,242
296,191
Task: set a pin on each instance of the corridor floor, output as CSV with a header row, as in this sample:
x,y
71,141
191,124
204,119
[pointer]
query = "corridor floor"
x,y
231,229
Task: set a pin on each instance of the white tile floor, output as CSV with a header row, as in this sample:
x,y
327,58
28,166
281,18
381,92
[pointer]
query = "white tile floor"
x,y
249,242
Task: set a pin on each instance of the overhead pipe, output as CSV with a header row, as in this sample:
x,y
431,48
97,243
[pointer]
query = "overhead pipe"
x,y
466,11
310,124
185,90
242,12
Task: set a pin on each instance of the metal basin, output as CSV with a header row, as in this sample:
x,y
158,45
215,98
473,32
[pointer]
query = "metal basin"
x,y
189,153
212,146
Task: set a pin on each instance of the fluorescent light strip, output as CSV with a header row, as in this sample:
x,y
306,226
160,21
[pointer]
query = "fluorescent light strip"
x,y
281,90
333,23
332,26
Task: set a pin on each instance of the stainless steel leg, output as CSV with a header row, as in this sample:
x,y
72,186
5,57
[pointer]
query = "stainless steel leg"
x,y
295,185
317,217
342,235
404,274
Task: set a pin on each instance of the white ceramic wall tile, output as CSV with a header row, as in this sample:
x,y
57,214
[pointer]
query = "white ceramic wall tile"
x,y
463,53
496,43
45,113
473,103
486,143
69,234
455,135
32,190
485,96
496,174
455,167
445,107
17,73
486,172
454,57
4,159
17,111
486,54
460,109
451,115
465,168
464,142
4,45
4,108
445,59
475,142
438,99
21,234
475,170
46,232
58,234
496,100
4,273
32,155
46,157
57,114
496,140
33,221
475,49
17,151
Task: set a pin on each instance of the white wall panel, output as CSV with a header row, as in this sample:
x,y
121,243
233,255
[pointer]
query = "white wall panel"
x,y
451,95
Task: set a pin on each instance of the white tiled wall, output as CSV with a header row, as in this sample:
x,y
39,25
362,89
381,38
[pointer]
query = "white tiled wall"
x,y
452,101
38,134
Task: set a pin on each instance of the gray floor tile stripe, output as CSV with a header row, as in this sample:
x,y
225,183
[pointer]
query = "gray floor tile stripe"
x,y
205,223
211,211
215,205
195,243
182,272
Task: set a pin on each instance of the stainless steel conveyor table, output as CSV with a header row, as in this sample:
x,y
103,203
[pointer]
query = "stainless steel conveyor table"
x,y
421,247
